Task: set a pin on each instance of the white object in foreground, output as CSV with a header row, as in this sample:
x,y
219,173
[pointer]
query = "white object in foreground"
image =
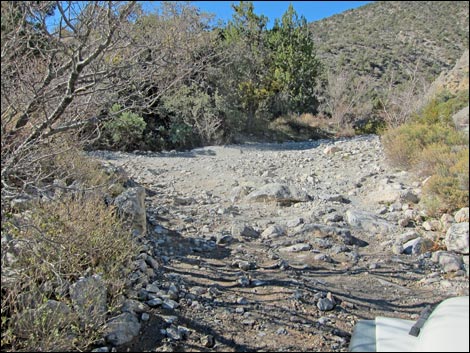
x,y
446,330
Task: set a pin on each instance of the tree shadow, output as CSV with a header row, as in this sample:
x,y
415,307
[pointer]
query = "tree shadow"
x,y
273,298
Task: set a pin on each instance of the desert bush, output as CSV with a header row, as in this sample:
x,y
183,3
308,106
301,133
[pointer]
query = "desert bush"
x,y
50,247
442,107
404,144
58,162
70,233
196,116
125,130
303,127
74,167
460,170
345,131
181,135
448,189
430,146
61,166
343,97
369,126
433,159
397,103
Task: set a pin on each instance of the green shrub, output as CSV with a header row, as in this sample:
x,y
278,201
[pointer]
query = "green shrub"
x,y
447,190
369,126
404,144
181,135
195,116
441,108
125,130
430,146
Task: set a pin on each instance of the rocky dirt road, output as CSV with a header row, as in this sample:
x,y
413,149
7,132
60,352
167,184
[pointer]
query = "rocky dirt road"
x,y
280,247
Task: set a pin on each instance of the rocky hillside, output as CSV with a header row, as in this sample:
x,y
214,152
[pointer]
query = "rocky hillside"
x,y
389,38
454,80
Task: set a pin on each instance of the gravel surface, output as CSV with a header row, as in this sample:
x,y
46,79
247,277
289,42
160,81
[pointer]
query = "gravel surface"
x,y
291,270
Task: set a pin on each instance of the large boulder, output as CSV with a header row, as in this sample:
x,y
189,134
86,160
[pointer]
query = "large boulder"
x,y
279,193
388,191
331,149
449,261
296,247
418,246
462,215
273,231
239,192
241,231
89,296
131,205
457,238
453,81
322,230
368,222
385,193
122,329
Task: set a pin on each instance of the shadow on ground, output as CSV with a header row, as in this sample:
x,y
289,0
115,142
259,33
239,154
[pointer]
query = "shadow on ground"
x,y
276,298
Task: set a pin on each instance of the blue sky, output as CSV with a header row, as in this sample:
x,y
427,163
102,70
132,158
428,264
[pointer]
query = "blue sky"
x,y
311,10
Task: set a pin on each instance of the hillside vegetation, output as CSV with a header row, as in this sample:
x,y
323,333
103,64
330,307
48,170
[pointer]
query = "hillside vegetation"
x,y
434,144
388,39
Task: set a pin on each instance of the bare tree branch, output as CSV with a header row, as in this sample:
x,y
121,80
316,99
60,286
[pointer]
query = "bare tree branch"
x,y
59,79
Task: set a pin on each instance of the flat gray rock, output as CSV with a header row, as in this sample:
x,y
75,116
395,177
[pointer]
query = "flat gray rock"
x,y
89,296
296,247
240,231
131,205
315,229
325,304
368,222
450,262
274,231
387,193
278,192
417,246
462,215
122,329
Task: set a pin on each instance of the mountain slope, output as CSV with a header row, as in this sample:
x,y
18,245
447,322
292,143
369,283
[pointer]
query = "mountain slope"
x,y
388,39
453,81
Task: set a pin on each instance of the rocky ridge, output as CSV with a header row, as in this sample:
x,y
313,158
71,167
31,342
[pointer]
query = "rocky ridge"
x,y
278,247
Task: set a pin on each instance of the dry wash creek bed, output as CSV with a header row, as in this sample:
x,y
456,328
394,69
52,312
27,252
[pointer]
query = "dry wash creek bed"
x,y
292,273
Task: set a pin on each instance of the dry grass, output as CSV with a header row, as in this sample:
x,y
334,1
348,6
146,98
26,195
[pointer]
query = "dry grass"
x,y
448,189
303,127
431,147
50,246
405,144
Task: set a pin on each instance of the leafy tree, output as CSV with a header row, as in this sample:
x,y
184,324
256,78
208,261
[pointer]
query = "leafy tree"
x,y
245,79
269,72
294,63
